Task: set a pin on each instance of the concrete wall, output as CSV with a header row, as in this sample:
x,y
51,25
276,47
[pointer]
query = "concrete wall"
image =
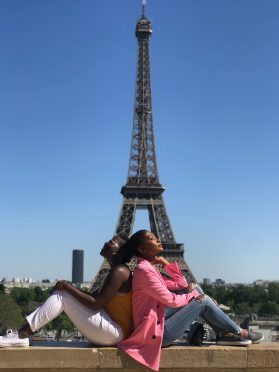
x,y
255,358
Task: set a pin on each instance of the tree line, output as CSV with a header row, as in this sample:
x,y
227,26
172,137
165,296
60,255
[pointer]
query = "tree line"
x,y
242,300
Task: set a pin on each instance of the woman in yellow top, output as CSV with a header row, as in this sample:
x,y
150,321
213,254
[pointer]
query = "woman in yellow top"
x,y
105,319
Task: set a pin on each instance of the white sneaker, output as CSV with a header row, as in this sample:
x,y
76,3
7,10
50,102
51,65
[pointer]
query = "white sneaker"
x,y
12,340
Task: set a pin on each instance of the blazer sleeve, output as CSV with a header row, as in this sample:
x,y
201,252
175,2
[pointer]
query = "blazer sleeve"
x,y
177,280
155,288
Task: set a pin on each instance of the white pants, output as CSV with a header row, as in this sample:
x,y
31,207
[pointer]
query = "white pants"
x,y
96,325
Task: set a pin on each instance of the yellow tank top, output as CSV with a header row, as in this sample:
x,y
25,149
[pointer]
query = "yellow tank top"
x,y
120,309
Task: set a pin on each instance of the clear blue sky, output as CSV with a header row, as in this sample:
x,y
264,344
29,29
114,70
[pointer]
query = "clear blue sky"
x,y
67,82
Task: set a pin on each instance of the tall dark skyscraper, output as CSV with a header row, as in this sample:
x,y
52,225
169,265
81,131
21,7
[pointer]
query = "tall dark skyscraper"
x,y
143,189
77,266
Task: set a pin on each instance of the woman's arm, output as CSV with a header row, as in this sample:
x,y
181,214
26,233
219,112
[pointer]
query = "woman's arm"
x,y
177,279
148,281
116,278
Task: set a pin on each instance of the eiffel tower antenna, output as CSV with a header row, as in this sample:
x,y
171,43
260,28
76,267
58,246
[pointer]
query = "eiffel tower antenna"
x,y
143,189
143,7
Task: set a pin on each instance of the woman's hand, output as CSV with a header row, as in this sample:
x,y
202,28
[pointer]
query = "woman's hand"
x,y
191,286
61,285
201,298
159,260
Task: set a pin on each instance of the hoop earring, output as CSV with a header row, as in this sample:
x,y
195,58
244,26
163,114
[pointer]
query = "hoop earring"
x,y
112,261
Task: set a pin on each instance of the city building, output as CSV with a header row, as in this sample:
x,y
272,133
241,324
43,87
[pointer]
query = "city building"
x,y
77,266
206,281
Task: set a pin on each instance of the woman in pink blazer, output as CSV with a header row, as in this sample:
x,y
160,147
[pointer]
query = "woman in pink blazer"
x,y
151,293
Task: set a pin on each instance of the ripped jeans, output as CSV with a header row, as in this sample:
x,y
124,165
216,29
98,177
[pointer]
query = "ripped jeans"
x,y
179,319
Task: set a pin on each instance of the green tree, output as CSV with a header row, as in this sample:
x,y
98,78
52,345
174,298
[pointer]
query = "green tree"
x,y
10,313
255,308
210,291
247,299
22,296
242,308
259,295
273,292
29,307
270,308
2,288
223,295
230,304
242,294
40,295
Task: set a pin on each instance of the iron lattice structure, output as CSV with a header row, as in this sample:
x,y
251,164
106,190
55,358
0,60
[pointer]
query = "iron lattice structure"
x,y
143,189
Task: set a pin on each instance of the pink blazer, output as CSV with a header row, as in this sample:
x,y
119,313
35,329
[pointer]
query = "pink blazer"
x,y
150,296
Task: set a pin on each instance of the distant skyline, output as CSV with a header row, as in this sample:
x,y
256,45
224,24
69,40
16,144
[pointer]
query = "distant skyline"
x,y
67,75
45,281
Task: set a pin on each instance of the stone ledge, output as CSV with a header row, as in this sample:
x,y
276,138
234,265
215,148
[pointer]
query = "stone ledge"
x,y
255,358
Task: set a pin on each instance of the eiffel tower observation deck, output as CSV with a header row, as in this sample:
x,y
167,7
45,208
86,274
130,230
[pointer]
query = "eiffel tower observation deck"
x,y
143,189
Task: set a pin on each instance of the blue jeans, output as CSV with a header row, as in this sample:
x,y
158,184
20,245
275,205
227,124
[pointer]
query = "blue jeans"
x,y
169,311
177,322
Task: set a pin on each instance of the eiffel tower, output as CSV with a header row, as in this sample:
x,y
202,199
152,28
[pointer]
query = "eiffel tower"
x,y
143,189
